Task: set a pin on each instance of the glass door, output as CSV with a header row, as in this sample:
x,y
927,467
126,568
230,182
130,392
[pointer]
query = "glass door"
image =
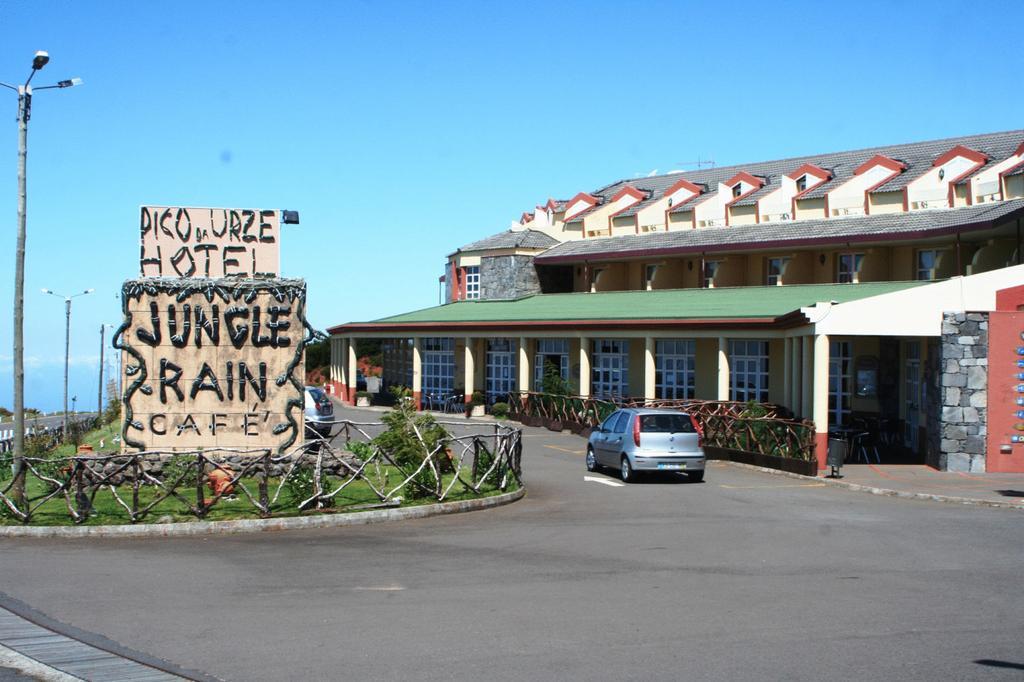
x,y
912,394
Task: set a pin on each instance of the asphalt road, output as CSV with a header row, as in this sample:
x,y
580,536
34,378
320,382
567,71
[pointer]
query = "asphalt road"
x,y
743,577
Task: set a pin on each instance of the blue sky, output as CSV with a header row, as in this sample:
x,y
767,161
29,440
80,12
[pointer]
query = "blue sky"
x,y
401,131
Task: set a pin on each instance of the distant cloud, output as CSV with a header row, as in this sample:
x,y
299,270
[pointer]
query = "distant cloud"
x,y
37,362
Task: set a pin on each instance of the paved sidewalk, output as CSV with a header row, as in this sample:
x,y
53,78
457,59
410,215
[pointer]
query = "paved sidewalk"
x,y
918,478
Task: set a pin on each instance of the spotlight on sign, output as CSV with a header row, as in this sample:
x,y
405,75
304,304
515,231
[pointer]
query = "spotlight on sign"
x,y
290,217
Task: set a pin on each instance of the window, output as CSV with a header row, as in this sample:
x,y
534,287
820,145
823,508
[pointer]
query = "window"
x,y
649,272
666,423
737,189
610,371
927,261
673,369
710,270
473,282
840,380
801,184
620,424
748,376
500,372
551,355
438,366
774,267
848,268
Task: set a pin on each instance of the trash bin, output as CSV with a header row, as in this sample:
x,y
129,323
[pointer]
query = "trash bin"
x,y
837,450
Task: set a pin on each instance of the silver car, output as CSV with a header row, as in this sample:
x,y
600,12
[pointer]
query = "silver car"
x,y
318,411
635,439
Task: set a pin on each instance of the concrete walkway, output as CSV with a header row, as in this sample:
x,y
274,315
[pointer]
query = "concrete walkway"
x,y
921,479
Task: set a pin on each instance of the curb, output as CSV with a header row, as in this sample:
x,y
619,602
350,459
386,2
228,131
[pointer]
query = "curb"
x,y
948,499
194,528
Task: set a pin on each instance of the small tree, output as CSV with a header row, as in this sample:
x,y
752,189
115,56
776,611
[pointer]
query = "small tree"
x,y
408,451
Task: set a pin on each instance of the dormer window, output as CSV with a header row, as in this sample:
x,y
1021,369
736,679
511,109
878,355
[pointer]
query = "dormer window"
x,y
737,190
801,183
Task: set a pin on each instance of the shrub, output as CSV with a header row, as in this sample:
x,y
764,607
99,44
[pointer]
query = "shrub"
x,y
553,383
500,410
300,483
363,394
399,441
112,413
181,466
478,399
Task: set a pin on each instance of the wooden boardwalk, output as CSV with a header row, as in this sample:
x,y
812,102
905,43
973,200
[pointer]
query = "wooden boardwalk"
x,y
72,657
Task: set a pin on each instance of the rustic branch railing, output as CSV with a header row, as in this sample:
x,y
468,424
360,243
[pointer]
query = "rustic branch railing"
x,y
726,424
140,483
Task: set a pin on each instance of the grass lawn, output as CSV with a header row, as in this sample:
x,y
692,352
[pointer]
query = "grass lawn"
x,y
107,511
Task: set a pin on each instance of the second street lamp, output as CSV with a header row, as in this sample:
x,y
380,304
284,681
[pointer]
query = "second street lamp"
x,y
67,345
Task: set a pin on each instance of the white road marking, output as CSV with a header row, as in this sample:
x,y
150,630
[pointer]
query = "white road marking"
x,y
380,588
606,481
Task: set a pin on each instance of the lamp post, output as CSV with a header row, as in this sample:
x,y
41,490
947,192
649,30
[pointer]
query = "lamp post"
x,y
24,113
67,344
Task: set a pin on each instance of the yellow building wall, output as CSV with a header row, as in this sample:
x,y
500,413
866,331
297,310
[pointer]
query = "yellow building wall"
x,y
706,369
824,272
960,195
1015,187
755,270
671,274
800,269
680,221
691,271
636,367
901,264
875,266
623,226
742,215
574,364
808,209
613,278
992,256
732,272
637,272
777,371
886,202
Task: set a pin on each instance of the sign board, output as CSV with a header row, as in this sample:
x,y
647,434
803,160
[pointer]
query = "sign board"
x,y
1005,396
209,242
213,363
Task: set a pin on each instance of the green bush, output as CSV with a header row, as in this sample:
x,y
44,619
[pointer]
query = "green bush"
x,y
478,399
300,483
183,466
112,413
500,410
399,441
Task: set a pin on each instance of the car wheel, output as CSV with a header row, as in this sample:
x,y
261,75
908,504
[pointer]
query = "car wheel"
x,y
695,476
591,460
626,470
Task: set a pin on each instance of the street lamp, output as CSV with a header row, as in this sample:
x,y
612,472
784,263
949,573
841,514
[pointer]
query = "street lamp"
x,y
99,399
67,343
24,113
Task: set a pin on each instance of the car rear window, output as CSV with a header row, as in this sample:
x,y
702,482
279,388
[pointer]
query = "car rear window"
x,y
666,423
317,393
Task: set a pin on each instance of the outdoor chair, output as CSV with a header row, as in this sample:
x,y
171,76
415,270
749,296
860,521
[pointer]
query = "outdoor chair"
x,y
863,444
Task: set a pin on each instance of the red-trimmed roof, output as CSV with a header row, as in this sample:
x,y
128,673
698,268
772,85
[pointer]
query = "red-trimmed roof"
x,y
630,191
744,176
880,160
960,150
683,184
810,169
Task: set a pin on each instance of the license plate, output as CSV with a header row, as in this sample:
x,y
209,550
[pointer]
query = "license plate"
x,y
674,467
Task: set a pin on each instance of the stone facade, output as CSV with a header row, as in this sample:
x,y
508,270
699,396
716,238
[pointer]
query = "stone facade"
x,y
507,277
963,377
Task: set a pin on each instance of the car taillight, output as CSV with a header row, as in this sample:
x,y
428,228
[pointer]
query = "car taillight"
x,y
700,431
636,430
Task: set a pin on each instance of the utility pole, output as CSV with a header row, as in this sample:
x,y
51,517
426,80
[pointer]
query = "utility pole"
x,y
99,397
67,344
24,113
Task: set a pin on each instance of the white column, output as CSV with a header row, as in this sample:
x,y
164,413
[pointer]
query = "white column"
x,y
584,366
469,368
787,366
650,348
806,377
821,397
723,368
794,376
523,384
342,364
417,373
351,366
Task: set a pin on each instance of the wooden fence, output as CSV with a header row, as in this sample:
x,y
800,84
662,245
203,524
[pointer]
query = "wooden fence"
x,y
760,428
141,483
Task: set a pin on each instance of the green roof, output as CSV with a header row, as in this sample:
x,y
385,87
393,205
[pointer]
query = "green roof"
x,y
668,304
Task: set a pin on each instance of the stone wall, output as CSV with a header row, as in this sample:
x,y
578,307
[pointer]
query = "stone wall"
x,y
505,277
964,383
